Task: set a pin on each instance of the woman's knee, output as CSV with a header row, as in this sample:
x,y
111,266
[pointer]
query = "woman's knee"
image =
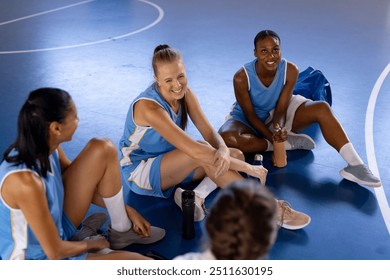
x,y
236,153
230,138
323,110
103,147
313,111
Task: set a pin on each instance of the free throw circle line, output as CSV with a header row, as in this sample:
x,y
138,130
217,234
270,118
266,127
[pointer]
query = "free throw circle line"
x,y
159,18
370,149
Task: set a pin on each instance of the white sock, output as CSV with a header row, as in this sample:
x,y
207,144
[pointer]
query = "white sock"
x,y
116,209
205,187
287,145
270,147
349,154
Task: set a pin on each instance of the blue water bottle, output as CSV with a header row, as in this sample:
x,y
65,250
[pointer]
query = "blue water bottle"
x,y
258,160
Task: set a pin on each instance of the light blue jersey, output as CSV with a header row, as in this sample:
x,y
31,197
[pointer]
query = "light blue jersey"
x,y
142,148
142,142
263,98
17,241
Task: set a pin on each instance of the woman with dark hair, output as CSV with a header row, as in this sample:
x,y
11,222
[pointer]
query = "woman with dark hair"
x,y
266,110
156,152
241,224
44,197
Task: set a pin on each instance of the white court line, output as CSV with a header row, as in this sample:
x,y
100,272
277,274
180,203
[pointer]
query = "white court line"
x,y
379,192
159,18
46,12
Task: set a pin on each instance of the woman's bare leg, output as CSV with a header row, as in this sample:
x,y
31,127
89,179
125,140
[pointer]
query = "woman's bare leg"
x,y
320,112
117,255
93,174
173,174
237,135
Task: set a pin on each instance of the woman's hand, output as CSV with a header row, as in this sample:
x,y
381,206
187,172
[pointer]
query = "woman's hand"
x,y
221,161
258,171
97,243
140,225
280,134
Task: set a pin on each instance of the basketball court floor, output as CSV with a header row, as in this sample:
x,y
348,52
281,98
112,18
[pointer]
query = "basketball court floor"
x,y
100,51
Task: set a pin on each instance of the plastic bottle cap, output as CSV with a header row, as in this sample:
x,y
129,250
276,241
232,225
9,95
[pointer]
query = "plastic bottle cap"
x,y
258,157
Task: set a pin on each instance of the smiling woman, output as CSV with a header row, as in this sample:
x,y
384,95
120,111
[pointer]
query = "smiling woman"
x,y
44,196
157,154
266,106
215,38
81,21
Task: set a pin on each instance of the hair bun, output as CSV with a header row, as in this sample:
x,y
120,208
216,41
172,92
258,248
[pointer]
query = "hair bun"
x,y
160,48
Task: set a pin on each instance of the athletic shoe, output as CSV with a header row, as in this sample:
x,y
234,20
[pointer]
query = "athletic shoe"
x,y
200,209
119,240
291,219
300,141
90,226
360,174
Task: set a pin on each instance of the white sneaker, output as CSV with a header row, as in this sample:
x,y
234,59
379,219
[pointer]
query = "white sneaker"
x,y
300,141
200,209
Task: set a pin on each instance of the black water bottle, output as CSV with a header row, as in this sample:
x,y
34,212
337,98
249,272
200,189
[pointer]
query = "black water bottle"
x,y
188,207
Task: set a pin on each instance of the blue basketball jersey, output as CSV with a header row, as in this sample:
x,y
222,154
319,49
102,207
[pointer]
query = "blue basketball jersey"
x,y
263,98
17,241
142,142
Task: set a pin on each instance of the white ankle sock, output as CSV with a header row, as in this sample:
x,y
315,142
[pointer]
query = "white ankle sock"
x,y
205,187
270,147
349,154
116,209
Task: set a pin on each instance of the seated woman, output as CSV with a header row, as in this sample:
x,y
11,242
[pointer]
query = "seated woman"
x,y
266,110
241,224
44,197
157,154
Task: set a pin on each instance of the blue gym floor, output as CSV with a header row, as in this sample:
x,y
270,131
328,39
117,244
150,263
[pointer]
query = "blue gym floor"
x,y
100,51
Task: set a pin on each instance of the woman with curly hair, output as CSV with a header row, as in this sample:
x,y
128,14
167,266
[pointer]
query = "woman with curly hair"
x,y
241,225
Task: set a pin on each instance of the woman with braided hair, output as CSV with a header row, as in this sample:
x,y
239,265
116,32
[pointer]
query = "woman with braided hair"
x,y
241,225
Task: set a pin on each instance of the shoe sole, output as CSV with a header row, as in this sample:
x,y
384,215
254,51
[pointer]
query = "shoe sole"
x,y
307,137
286,226
348,176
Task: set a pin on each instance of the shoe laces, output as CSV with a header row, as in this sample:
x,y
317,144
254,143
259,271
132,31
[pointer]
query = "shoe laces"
x,y
202,203
367,170
286,210
90,228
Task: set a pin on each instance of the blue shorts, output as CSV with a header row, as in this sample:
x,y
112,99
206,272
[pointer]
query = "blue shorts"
x,y
69,231
145,178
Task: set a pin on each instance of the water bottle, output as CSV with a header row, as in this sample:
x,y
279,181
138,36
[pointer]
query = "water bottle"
x,y
188,208
258,159
279,156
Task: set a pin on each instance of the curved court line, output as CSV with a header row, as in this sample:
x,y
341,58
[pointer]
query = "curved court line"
x,y
46,12
369,127
159,18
